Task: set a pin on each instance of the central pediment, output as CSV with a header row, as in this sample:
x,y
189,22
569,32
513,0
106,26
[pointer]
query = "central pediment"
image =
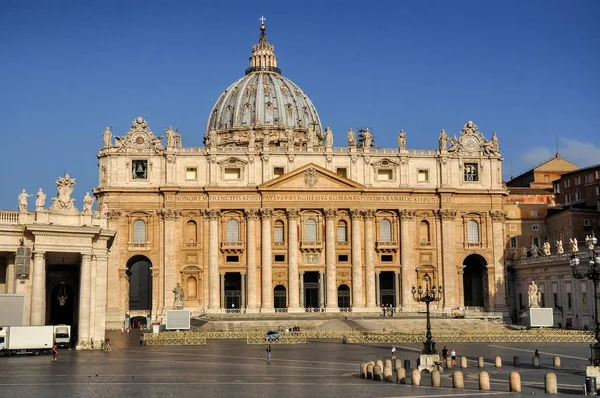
x,y
311,178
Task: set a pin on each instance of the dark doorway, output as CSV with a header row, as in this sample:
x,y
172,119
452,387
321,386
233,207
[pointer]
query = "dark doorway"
x,y
387,293
233,291
62,314
311,290
474,281
343,296
140,283
279,297
138,322
63,280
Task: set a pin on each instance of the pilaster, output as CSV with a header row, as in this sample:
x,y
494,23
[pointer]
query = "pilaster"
x,y
447,247
267,269
357,292
330,263
213,260
294,300
370,259
38,289
408,273
85,297
251,217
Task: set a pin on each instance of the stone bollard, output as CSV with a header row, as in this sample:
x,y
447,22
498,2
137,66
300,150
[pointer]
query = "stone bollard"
x,y
377,373
387,373
363,370
484,381
436,378
516,361
449,363
457,379
400,376
556,362
379,363
397,364
536,362
480,362
372,363
463,362
514,382
415,377
388,363
498,362
370,371
550,383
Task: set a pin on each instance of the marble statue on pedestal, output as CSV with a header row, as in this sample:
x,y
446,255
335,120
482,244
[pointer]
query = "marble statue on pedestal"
x,y
534,250
589,243
23,196
107,138
546,249
443,140
574,245
368,139
402,140
179,296
351,138
328,137
40,200
559,247
534,295
88,201
63,202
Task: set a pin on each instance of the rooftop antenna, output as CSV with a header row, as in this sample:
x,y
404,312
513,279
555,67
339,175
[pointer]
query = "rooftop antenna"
x,y
511,171
557,154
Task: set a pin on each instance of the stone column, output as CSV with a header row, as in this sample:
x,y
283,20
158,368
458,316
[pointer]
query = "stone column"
x,y
294,299
321,292
408,270
397,288
243,299
370,260
267,271
84,297
38,289
100,301
301,288
498,285
123,289
11,277
252,216
169,262
377,288
223,302
357,293
330,260
213,260
449,280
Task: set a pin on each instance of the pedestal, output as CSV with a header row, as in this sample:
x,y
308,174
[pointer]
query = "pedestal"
x,y
540,317
428,362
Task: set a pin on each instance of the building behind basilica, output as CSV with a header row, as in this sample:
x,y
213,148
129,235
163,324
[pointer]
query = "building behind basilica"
x,y
268,216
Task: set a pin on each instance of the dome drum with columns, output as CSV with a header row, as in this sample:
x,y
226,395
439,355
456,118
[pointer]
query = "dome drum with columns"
x,y
263,108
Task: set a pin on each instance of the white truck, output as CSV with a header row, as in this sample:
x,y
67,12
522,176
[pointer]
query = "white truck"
x,y
34,340
62,336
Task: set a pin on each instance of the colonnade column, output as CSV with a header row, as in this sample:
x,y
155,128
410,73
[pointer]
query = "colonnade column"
x,y
101,296
397,288
301,289
357,293
408,272
213,260
370,259
223,302
38,289
11,276
321,291
267,277
498,284
169,216
294,300
449,275
377,288
243,298
85,297
330,264
252,216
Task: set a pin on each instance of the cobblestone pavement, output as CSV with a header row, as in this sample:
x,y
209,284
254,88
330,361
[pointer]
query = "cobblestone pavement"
x,y
230,368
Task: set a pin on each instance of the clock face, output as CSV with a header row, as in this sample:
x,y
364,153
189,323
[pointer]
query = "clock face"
x,y
139,140
470,143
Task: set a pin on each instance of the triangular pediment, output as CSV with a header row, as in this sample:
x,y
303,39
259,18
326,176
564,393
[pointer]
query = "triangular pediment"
x,y
311,178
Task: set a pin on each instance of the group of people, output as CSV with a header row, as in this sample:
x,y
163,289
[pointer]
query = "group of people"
x,y
387,310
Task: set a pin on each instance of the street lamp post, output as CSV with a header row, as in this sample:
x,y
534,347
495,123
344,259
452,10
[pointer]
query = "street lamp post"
x,y
592,273
428,296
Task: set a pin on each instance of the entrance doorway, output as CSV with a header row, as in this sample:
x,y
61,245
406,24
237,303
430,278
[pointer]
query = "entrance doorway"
x,y
387,293
62,279
140,283
233,291
343,296
62,312
279,297
475,281
311,290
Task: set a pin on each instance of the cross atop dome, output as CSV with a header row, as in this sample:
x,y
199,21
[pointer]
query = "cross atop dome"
x,y
263,53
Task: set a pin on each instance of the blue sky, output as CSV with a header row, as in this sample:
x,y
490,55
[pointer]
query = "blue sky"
x,y
528,70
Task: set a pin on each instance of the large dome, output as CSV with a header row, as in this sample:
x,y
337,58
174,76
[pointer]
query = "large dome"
x,y
262,103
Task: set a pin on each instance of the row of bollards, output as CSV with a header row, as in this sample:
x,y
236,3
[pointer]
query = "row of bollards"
x,y
377,371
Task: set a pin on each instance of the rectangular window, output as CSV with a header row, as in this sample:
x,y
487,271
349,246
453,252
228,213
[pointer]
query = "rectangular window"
x,y
586,222
280,258
513,241
597,190
521,306
557,188
278,171
191,173
535,227
232,259
588,178
385,175
342,171
555,298
597,173
278,234
139,169
542,300
533,213
578,180
232,173
536,241
341,234
598,205
342,258
569,301
471,172
577,196
422,175
387,258
513,228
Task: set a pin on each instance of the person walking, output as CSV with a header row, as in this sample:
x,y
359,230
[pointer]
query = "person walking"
x,y
536,353
122,330
453,355
268,352
141,340
54,352
445,354
393,352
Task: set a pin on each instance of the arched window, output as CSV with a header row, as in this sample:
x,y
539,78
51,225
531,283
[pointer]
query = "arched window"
x,y
310,230
278,232
385,231
191,229
342,231
472,232
139,231
424,231
232,231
